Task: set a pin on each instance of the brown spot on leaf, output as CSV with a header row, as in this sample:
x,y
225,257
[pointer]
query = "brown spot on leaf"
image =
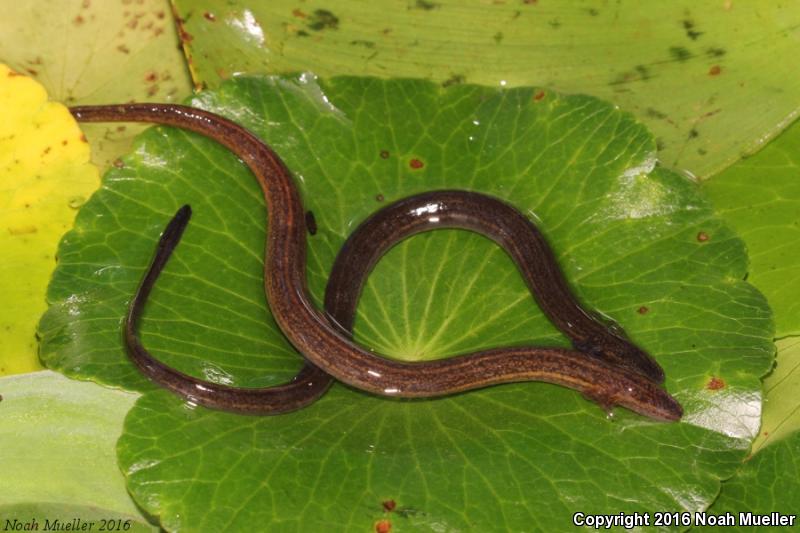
x,y
643,310
384,154
299,13
118,163
124,49
83,138
389,505
715,383
79,20
539,96
715,70
383,526
379,197
151,76
416,164
702,236
208,15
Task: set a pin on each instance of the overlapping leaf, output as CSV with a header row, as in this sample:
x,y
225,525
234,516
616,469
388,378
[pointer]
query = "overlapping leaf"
x,y
760,198
692,71
766,484
86,52
45,176
638,243
58,457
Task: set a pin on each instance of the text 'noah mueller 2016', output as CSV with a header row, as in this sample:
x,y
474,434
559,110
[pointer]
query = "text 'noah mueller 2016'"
x,y
73,524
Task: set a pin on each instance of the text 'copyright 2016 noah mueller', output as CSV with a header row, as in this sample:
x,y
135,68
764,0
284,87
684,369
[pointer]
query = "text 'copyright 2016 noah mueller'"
x,y
633,520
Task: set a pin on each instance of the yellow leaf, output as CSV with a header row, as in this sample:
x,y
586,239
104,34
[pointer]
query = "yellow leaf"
x,y
45,175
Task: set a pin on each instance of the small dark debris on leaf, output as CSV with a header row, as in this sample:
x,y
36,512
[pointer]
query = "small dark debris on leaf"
x,y
691,32
426,5
455,79
322,19
680,53
654,113
364,43
311,223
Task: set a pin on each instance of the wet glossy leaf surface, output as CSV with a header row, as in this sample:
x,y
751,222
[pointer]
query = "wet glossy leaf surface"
x,y
638,243
692,71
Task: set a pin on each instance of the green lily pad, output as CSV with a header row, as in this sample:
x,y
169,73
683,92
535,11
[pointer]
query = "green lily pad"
x,y
58,452
760,198
638,243
765,484
87,52
692,71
